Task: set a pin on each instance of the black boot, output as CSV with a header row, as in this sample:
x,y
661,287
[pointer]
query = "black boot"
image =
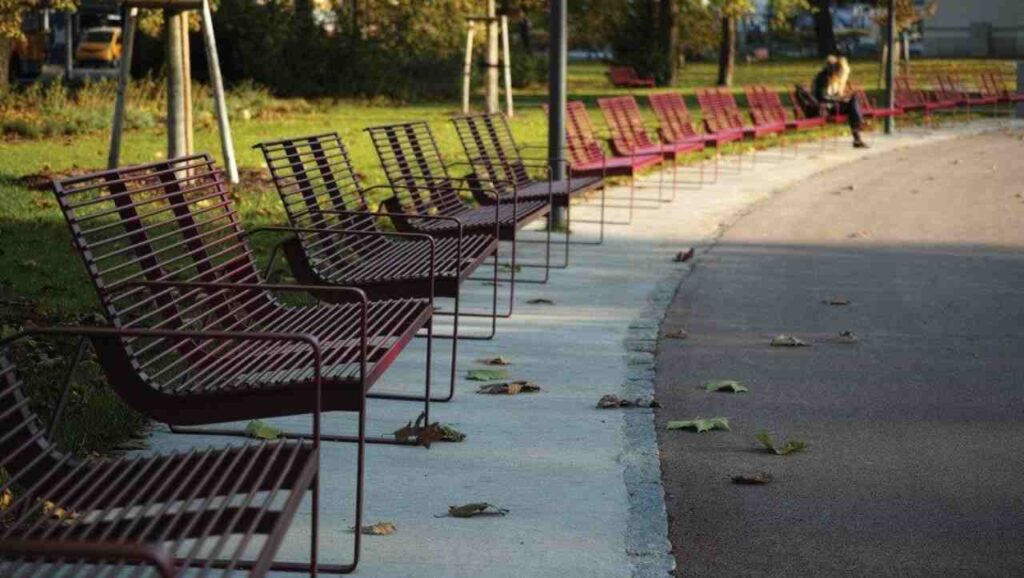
x,y
858,143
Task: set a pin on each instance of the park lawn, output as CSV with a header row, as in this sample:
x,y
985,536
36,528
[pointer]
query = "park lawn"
x,y
43,280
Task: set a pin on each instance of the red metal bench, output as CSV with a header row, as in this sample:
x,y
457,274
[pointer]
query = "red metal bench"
x,y
588,159
721,113
165,249
954,88
495,156
998,85
627,77
909,98
222,512
870,108
628,135
766,108
677,125
422,186
320,190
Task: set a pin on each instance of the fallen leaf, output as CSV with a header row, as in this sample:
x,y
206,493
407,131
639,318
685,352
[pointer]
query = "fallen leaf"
x,y
677,334
753,479
541,302
52,510
486,374
789,447
429,433
612,401
836,301
700,424
509,388
846,337
262,431
786,341
475,509
494,361
684,255
726,385
378,529
6,499
508,267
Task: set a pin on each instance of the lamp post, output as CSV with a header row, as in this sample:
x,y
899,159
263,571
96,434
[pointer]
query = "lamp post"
x,y
890,79
557,56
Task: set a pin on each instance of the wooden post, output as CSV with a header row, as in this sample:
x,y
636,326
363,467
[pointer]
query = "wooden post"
x,y
890,72
175,84
492,58
114,158
186,73
467,68
507,60
210,44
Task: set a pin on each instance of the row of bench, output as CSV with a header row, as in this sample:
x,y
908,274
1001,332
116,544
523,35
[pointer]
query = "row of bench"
x,y
196,335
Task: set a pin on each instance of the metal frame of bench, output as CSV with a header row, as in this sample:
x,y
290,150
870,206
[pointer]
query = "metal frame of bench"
x,y
165,249
870,108
909,98
422,185
720,113
952,86
588,159
676,124
494,154
218,511
766,109
320,189
627,77
629,136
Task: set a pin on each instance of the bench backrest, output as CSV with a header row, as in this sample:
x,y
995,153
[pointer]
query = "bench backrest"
x,y
490,147
765,105
719,110
165,221
413,164
581,139
26,455
314,176
676,123
622,75
622,115
906,94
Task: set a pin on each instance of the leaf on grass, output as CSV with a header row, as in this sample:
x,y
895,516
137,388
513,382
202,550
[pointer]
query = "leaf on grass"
x,y
846,337
475,509
700,424
612,401
262,431
509,388
728,385
494,361
541,302
836,301
684,255
429,433
677,334
378,529
789,447
753,479
55,512
486,374
787,341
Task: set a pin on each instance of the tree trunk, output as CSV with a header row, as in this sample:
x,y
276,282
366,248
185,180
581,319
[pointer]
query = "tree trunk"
x,y
727,51
823,28
6,48
670,39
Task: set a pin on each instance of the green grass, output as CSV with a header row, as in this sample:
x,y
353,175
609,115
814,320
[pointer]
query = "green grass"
x,y
39,267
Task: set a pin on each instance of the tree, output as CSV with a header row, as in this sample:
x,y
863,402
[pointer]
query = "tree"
x,y
668,21
908,13
729,11
11,12
824,31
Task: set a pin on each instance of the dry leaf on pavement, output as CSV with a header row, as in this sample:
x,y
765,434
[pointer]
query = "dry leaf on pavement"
x,y
787,341
677,334
378,529
475,509
612,401
494,361
509,388
753,479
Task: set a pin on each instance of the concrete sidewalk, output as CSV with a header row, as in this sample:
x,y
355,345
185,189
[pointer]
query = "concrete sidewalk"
x,y
582,485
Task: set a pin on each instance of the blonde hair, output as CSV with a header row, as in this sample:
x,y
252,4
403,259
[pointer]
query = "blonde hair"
x,y
839,77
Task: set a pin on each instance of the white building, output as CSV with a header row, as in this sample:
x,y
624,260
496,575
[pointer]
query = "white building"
x,y
976,28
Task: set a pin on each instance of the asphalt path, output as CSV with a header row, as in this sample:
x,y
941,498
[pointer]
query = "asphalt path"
x,y
915,464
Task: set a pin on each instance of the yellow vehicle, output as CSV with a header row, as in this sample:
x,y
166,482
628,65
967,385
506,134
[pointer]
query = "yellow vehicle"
x,y
99,47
